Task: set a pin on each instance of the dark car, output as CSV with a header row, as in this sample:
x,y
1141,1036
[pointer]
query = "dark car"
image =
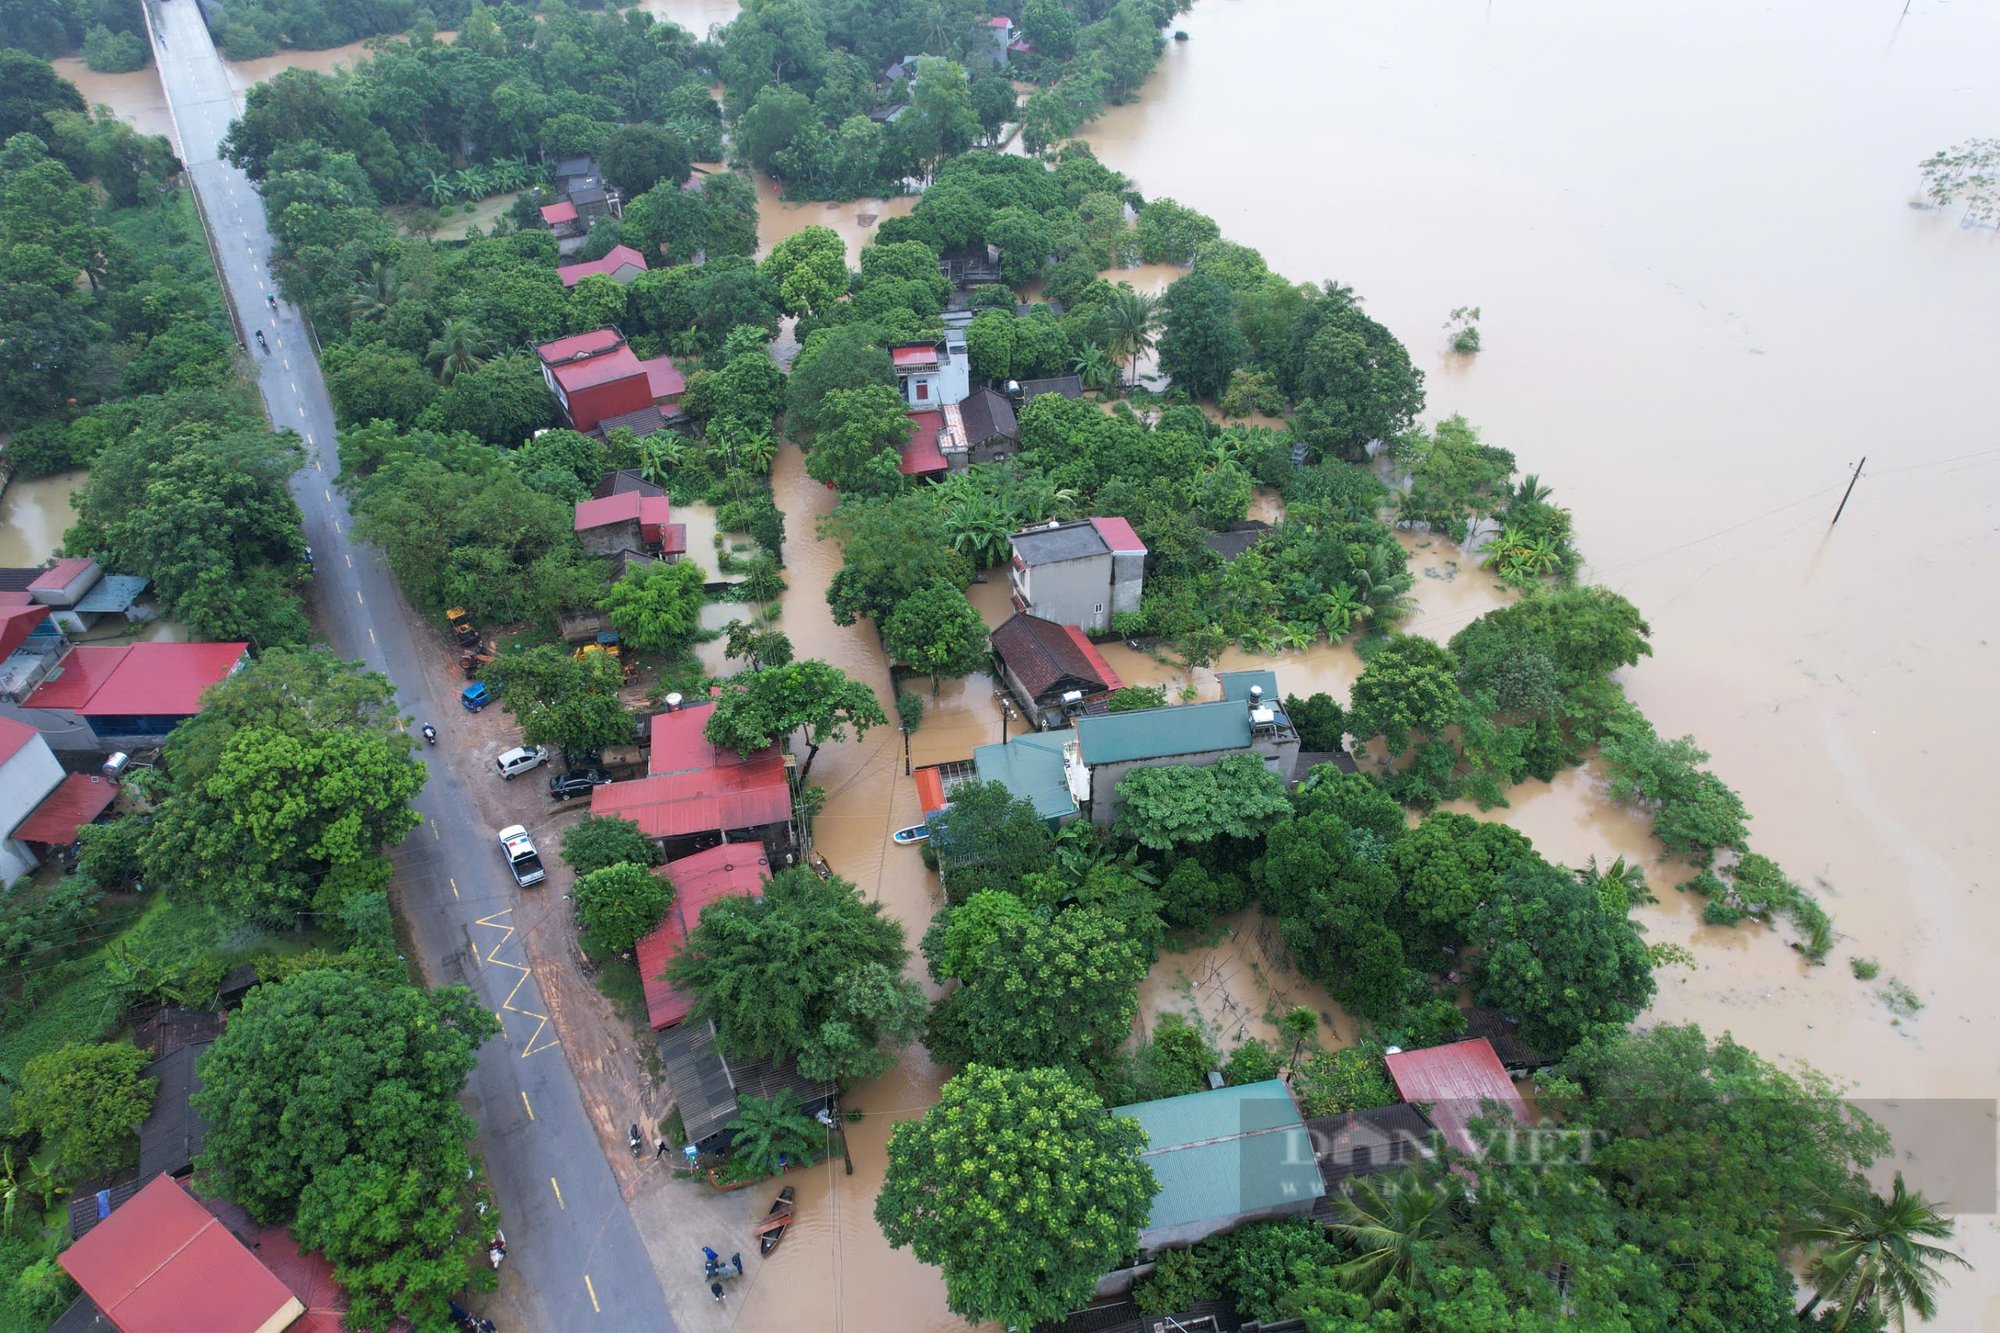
x,y
576,782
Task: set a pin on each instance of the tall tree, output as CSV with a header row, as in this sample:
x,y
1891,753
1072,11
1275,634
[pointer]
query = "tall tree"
x,y
1410,686
618,904
656,608
1046,992
1021,1188
1555,955
1202,345
86,1101
938,631
1164,808
987,838
1133,318
559,700
809,970
809,269
760,708
331,1101
1873,1258
856,447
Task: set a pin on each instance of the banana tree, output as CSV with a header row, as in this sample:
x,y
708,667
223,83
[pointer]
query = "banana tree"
x,y
437,186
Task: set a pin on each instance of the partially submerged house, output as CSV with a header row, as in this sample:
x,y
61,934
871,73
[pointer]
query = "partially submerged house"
x,y
1453,1085
621,263
1001,35
630,521
1080,573
599,381
921,454
1053,671
931,374
1224,1158
709,1086
1038,768
1354,1145
696,794
1246,720
1237,538
728,870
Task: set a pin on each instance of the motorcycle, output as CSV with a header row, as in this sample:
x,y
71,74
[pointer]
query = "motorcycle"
x,y
430,734
499,1248
634,1142
262,346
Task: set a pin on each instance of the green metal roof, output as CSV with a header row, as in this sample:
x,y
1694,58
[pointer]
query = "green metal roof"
x,y
1031,767
1160,733
1223,1153
1236,685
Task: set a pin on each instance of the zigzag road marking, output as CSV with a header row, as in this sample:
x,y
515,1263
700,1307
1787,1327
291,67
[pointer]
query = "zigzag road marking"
x,y
506,930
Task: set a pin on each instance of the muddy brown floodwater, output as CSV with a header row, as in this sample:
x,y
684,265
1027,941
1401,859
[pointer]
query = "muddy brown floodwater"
x,y
34,515
1706,294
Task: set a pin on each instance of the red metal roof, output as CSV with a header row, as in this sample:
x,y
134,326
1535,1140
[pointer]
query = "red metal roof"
x,y
138,680
77,799
664,378
681,744
1453,1081
13,735
1118,534
620,363
999,21
162,1264
17,622
624,507
911,356
673,538
617,257
562,212
579,344
921,455
61,574
678,805
733,870
78,676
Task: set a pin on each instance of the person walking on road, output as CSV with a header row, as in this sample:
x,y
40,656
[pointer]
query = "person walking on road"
x,y
661,1151
715,1290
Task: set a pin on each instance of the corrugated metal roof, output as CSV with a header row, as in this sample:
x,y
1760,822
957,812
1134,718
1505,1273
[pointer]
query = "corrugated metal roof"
x,y
920,455
17,623
162,1264
1237,685
732,870
1031,767
171,1135
1118,534
1226,1152
1045,655
681,804
1053,543
579,344
115,593
77,799
1160,733
1452,1082
14,735
163,679
62,573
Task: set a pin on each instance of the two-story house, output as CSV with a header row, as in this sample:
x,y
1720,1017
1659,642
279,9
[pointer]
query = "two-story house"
x,y
1081,573
599,381
931,374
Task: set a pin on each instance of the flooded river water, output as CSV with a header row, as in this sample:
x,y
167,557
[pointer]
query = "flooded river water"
x,y
1706,295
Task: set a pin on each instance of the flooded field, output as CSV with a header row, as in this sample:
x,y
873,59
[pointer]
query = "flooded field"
x,y
1675,291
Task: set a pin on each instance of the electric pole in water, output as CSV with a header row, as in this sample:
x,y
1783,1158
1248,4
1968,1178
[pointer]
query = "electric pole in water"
x,y
1850,489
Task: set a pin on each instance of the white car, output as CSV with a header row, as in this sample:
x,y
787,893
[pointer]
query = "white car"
x,y
522,758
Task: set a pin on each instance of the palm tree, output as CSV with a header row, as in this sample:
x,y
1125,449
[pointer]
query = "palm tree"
x,y
1340,610
1531,491
1096,367
459,347
379,291
1383,592
1134,316
1874,1255
1622,884
1394,1223
475,182
756,449
662,455
437,186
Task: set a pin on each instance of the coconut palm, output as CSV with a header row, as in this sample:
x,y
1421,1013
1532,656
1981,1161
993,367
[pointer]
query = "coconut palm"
x,y
1096,367
459,347
1395,1223
380,289
1874,1255
769,1135
1621,885
437,186
756,449
1134,317
1531,491
1383,591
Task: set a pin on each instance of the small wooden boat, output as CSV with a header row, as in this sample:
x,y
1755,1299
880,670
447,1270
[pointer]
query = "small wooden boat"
x,y
772,1229
911,836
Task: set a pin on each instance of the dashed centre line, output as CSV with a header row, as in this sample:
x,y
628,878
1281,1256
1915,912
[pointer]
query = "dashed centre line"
x,y
558,1189
595,1307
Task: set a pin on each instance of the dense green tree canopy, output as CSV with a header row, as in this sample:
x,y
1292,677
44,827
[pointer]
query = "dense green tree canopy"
x,y
1045,992
760,708
597,841
618,904
656,608
1168,807
1020,1188
808,970
561,701
936,631
331,1101
987,838
1558,957
1408,688
86,1102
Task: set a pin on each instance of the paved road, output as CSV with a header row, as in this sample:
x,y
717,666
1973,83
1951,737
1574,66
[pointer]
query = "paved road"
x,y
575,1258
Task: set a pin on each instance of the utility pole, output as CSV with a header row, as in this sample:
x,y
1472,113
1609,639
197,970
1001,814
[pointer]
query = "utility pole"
x,y
1850,489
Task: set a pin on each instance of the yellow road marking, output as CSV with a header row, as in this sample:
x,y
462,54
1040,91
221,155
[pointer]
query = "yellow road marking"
x,y
531,1115
497,922
552,1183
454,885
593,1294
